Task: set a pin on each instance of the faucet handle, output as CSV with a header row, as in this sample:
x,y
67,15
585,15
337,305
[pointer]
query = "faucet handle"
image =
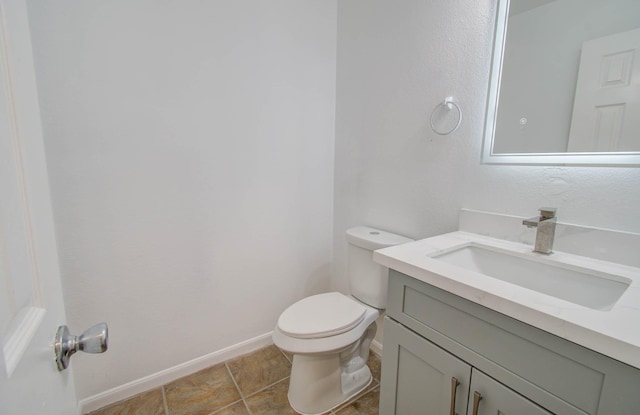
x,y
547,212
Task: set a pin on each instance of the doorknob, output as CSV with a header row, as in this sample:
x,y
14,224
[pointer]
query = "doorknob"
x,y
93,340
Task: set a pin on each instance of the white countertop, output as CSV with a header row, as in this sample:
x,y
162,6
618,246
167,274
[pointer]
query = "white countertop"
x,y
615,332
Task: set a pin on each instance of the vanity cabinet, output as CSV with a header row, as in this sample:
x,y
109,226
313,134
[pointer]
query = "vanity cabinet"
x,y
422,378
440,349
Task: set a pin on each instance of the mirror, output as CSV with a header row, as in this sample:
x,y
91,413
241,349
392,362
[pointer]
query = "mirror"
x,y
565,83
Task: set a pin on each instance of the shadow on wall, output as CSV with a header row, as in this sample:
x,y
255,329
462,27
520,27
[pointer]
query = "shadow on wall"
x,y
318,281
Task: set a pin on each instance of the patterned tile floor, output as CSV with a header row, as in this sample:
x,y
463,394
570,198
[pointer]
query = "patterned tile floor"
x,y
254,384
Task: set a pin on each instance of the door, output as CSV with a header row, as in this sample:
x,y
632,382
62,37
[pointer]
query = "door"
x,y
606,109
418,377
31,306
488,397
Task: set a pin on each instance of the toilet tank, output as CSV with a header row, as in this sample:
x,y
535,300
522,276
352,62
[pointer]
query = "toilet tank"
x,y
368,280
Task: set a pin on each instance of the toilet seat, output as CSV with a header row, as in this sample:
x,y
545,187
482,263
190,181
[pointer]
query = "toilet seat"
x,y
327,344
322,315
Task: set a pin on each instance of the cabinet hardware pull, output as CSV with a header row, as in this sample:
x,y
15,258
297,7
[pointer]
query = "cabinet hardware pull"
x,y
476,402
454,388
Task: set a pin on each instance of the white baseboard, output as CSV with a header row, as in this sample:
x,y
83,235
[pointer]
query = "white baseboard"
x,y
165,376
376,347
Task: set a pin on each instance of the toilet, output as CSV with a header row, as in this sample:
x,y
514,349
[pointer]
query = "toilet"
x,y
329,334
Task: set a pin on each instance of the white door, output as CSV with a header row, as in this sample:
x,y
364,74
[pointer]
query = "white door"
x,y
31,306
606,109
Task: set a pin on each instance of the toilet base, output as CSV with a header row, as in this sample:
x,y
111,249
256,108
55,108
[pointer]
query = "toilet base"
x,y
321,382
318,384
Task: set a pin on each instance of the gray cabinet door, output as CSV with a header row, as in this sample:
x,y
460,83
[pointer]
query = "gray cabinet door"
x,y
498,399
419,378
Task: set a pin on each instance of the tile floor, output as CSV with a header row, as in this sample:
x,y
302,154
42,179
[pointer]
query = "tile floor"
x,y
254,384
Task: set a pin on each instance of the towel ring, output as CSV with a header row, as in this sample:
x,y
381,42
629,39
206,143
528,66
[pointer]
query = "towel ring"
x,y
447,104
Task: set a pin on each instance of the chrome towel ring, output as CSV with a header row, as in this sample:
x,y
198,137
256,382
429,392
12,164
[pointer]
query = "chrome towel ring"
x,y
443,109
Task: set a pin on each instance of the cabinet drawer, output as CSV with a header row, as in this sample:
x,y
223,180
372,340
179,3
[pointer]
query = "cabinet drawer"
x,y
560,375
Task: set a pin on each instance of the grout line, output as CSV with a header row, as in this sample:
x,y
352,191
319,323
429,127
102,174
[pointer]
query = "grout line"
x,y
234,380
246,406
372,387
164,401
237,388
268,386
217,411
262,389
285,355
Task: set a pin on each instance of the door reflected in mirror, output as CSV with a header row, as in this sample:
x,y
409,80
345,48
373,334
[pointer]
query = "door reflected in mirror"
x,y
565,83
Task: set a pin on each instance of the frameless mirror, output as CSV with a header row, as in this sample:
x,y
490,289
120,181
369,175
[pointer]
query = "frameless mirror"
x,y
565,83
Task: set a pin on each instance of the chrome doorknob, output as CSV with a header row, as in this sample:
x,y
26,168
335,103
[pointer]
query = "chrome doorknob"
x,y
93,340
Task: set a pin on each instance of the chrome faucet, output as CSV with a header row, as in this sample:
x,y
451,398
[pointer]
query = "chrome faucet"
x,y
546,229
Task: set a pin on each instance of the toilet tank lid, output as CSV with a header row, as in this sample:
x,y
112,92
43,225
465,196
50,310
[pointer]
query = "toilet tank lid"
x,y
372,239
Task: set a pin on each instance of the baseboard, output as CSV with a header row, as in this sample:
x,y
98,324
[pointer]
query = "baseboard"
x,y
376,347
165,376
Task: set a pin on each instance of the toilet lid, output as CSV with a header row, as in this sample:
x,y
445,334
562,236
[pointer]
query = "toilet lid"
x,y
321,315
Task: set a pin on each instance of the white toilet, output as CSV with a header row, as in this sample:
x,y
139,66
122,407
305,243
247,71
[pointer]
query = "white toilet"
x,y
329,334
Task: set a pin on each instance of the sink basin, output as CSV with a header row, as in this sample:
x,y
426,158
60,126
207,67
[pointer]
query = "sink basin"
x,y
583,286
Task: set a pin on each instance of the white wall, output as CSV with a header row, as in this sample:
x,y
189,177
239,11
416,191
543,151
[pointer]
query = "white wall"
x,y
190,150
396,62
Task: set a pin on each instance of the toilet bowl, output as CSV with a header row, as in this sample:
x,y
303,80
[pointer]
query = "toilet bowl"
x,y
329,334
333,358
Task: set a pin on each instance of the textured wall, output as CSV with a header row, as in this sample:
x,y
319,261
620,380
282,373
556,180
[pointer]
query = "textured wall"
x,y
190,153
396,62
